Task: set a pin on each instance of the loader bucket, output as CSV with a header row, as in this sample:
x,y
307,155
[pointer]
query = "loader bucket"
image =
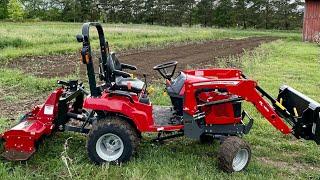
x,y
305,113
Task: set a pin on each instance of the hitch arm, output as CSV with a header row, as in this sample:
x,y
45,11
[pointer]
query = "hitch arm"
x,y
267,111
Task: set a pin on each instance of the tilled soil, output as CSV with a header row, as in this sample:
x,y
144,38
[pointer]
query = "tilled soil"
x,y
47,66
195,55
199,55
12,109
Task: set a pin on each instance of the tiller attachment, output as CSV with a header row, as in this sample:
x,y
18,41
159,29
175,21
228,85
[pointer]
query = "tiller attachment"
x,y
20,141
304,113
62,105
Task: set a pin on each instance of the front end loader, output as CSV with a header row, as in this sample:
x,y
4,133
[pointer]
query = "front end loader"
x,y
206,104
303,113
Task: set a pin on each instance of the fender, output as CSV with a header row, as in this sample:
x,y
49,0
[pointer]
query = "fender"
x,y
139,113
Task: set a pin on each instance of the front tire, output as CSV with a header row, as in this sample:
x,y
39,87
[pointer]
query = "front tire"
x,y
112,140
234,154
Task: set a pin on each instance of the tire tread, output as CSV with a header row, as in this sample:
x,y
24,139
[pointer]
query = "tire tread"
x,y
113,122
228,150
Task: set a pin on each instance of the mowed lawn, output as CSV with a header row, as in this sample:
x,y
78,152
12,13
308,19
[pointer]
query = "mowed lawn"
x,y
275,156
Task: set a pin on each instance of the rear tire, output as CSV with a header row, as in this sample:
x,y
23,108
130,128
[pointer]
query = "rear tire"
x,y
234,154
112,140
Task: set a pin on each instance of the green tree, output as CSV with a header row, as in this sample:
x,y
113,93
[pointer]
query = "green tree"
x,y
33,8
111,8
287,13
125,11
3,9
15,10
138,11
204,12
149,11
242,11
266,10
284,14
224,16
190,10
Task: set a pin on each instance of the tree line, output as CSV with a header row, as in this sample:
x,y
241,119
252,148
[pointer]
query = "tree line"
x,y
267,14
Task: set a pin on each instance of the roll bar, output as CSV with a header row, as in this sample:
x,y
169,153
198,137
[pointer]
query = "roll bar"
x,y
86,56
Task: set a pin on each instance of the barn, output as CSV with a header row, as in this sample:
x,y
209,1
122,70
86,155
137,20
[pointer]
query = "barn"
x,y
311,23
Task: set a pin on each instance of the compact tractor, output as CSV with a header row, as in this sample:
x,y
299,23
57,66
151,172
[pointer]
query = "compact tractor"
x,y
206,105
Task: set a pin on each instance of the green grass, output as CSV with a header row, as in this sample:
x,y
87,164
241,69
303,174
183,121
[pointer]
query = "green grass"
x,y
16,79
284,61
21,39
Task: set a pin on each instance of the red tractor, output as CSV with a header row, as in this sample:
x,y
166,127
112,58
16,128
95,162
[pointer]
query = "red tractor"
x,y
206,104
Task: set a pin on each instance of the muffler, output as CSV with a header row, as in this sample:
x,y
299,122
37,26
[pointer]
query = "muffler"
x,y
304,113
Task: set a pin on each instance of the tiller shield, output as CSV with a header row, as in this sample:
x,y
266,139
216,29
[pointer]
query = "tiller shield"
x,y
20,141
64,103
304,113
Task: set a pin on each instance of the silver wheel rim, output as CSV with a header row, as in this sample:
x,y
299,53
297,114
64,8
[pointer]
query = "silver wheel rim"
x,y
240,160
109,147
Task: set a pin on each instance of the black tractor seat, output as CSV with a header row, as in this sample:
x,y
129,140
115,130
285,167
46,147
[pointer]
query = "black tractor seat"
x,y
120,79
174,92
128,84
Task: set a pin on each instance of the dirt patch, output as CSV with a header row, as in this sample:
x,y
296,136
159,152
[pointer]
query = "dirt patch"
x,y
47,66
12,109
293,167
198,55
195,55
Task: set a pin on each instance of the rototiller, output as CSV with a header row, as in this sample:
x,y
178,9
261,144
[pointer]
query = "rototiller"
x,y
206,105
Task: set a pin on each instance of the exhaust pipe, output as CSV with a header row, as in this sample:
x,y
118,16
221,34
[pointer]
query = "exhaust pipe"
x,y
305,113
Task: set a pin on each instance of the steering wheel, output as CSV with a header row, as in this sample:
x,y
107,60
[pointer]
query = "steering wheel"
x,y
164,68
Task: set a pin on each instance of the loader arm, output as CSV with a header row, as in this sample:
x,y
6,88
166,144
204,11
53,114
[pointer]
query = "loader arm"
x,y
244,88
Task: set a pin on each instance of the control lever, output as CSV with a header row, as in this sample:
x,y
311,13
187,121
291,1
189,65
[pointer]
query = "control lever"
x,y
101,74
121,73
73,85
145,82
79,38
84,91
63,83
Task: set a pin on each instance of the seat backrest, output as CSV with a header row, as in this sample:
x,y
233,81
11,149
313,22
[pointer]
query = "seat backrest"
x,y
113,63
116,62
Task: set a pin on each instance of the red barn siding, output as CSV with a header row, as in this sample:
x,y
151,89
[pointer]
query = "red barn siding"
x,y
311,24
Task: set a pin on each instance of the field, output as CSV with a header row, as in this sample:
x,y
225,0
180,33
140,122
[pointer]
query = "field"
x,y
271,57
